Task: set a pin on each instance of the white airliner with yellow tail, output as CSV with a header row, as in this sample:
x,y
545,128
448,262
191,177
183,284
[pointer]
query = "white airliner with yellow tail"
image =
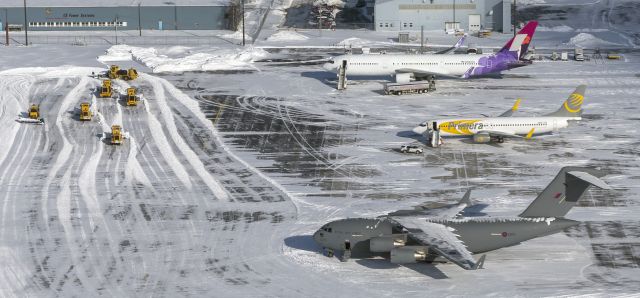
x,y
496,129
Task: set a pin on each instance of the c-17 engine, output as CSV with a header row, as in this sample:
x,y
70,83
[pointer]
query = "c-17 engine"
x,y
409,254
482,138
387,243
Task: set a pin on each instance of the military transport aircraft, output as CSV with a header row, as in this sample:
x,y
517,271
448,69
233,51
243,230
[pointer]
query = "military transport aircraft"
x,y
427,235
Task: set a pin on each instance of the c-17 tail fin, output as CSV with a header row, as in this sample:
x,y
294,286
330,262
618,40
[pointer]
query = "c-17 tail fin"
x,y
564,192
572,107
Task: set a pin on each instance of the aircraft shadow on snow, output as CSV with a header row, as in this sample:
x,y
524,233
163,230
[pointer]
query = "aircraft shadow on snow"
x,y
306,242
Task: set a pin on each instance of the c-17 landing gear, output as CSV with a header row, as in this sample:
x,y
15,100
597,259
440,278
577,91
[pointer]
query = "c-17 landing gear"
x,y
327,252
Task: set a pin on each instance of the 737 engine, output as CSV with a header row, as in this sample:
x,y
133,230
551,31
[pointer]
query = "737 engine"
x,y
482,138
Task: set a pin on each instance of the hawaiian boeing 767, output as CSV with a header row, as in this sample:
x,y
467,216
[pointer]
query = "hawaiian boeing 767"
x,y
425,66
496,129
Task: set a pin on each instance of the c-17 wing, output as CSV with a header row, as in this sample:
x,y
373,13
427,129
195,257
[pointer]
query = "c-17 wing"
x,y
438,238
446,211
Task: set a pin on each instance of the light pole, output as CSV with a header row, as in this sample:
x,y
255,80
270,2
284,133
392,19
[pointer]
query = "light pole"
x,y
243,23
26,36
515,12
115,27
6,26
139,22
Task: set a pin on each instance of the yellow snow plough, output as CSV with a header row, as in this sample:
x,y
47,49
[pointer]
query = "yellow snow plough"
x,y
132,98
85,112
128,75
116,135
32,116
105,90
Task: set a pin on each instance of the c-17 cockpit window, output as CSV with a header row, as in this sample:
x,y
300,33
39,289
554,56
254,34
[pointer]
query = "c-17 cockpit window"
x,y
331,61
328,230
423,124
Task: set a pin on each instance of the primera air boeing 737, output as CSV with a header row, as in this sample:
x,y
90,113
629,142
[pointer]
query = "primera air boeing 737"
x,y
484,130
425,66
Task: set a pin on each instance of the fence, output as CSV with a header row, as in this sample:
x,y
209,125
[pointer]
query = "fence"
x,y
84,40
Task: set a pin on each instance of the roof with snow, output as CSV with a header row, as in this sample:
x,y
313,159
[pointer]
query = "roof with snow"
x,y
110,3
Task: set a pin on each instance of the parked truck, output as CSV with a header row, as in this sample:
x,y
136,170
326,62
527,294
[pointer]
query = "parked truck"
x,y
410,88
105,90
578,54
116,135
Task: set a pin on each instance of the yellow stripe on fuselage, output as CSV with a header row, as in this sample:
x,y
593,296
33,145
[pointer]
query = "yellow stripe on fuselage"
x,y
460,127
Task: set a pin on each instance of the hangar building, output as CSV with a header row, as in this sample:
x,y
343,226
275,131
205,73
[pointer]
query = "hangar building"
x,y
469,15
60,15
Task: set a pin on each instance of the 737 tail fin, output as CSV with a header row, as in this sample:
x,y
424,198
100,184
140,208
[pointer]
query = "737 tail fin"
x,y
572,107
564,192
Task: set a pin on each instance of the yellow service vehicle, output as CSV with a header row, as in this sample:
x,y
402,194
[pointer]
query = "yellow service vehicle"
x,y
613,56
105,91
113,72
85,112
34,112
132,98
116,135
124,74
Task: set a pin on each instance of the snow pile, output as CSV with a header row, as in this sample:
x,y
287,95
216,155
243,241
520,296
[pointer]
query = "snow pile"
x,y
354,42
287,36
531,2
209,60
561,28
587,40
236,35
337,3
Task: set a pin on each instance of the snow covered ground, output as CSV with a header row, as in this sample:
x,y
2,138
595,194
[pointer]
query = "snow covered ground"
x,y
228,170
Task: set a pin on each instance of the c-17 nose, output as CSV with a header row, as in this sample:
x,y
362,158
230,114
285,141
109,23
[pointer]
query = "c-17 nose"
x,y
318,237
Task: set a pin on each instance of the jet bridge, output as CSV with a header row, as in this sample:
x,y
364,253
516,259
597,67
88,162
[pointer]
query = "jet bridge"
x,y
342,75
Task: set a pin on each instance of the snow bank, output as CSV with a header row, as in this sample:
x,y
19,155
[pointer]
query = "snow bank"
x,y
587,40
236,35
287,36
354,42
338,3
207,60
561,28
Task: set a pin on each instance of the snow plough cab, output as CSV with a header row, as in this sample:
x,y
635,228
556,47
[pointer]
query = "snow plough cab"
x,y
105,90
113,72
85,112
33,115
132,98
116,135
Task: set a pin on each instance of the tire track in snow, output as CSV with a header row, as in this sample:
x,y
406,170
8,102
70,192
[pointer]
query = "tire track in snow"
x,y
192,158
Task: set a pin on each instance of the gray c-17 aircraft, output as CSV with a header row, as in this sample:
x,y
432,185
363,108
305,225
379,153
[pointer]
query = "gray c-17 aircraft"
x,y
428,235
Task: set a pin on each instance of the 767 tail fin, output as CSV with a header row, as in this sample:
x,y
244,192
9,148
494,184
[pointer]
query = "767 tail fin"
x,y
529,29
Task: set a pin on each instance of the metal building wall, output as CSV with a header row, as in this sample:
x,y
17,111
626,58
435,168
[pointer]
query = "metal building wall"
x,y
188,17
393,15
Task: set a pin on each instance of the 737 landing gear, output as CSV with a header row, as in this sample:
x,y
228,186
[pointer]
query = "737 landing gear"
x,y
500,139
